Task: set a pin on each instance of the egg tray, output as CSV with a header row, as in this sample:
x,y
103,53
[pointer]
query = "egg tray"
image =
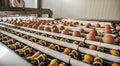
x,y
46,62
87,46
80,57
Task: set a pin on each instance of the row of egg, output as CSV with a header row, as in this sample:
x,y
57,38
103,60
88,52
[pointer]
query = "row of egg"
x,y
91,36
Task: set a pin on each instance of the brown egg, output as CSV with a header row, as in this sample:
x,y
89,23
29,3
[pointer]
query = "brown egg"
x,y
97,25
91,37
52,23
62,27
67,23
56,30
54,26
56,22
107,31
29,26
64,24
107,26
93,31
47,29
81,24
41,28
39,22
34,26
42,23
47,24
118,28
87,26
74,23
14,23
119,33
61,22
81,30
108,39
70,24
76,33
65,31
25,25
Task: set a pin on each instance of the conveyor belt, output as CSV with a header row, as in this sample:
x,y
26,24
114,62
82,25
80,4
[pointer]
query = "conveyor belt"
x,y
50,52
9,58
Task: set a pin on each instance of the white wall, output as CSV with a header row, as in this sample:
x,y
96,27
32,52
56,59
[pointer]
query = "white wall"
x,y
90,9
31,3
